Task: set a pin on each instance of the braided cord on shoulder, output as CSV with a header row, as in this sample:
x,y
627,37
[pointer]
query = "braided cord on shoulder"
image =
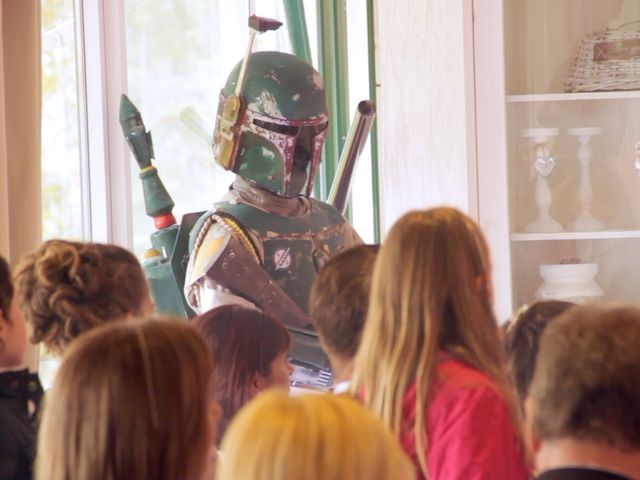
x,y
230,224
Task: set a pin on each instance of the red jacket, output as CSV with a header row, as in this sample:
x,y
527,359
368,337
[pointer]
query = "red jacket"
x,y
469,428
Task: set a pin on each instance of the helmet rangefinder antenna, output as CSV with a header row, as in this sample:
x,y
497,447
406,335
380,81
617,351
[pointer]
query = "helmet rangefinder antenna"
x,y
231,117
257,25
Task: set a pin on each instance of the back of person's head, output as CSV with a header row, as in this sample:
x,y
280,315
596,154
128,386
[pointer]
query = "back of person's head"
x,y
586,384
68,288
522,338
13,333
340,297
6,288
131,400
311,437
245,344
431,292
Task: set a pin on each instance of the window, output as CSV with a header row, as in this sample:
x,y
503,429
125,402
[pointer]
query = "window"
x,y
364,195
175,74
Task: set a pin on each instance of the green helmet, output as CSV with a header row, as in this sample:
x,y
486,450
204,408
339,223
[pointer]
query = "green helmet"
x,y
276,127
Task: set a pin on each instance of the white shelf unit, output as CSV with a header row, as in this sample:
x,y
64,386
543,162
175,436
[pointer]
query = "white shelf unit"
x,y
523,89
572,97
601,235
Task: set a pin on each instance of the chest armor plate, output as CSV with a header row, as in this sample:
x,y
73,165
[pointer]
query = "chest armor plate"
x,y
294,248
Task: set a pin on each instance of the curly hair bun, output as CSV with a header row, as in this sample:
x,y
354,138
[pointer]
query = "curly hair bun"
x,y
70,287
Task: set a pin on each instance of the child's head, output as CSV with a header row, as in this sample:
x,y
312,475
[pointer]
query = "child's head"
x,y
13,332
523,337
68,288
130,400
430,293
250,350
339,300
311,437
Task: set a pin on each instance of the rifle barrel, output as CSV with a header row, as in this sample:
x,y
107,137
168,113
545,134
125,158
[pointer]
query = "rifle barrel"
x,y
356,139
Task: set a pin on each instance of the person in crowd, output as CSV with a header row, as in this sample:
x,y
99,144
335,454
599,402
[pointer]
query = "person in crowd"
x,y
315,437
430,363
583,409
68,288
522,338
132,400
250,350
20,391
338,306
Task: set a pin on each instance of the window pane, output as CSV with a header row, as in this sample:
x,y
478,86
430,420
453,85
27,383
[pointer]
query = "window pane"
x,y
358,53
61,173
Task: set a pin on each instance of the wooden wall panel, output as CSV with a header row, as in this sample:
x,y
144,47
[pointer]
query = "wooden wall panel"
x,y
423,106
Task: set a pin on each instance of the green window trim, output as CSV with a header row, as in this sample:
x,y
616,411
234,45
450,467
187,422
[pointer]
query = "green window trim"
x,y
373,85
333,63
297,26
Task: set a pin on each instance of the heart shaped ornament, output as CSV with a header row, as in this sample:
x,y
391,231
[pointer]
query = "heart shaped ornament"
x,y
545,166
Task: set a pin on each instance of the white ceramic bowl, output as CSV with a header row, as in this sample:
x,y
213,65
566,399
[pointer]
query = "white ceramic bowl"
x,y
571,281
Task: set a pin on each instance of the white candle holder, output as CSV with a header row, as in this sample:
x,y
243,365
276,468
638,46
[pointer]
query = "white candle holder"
x,y
544,164
585,221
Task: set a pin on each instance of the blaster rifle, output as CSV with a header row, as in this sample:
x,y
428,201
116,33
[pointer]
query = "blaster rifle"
x,y
356,139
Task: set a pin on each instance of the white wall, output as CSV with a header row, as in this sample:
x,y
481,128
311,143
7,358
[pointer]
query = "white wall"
x,y
425,114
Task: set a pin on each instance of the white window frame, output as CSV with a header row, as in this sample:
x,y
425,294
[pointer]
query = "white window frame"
x,y
102,78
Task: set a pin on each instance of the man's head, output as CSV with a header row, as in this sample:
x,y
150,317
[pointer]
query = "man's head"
x,y
586,385
282,123
339,300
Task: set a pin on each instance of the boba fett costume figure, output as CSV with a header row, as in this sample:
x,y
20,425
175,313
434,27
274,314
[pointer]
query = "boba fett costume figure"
x,y
264,243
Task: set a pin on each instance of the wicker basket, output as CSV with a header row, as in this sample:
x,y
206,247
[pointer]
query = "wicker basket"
x,y
606,60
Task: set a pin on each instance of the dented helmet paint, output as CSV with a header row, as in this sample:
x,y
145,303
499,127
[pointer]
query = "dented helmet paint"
x,y
282,126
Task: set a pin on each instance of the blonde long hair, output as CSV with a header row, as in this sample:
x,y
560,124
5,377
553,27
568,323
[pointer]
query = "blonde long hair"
x,y
315,437
131,400
431,292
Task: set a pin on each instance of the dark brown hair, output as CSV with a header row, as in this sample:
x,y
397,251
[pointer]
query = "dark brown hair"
x,y
523,336
586,384
69,288
130,400
340,297
244,342
6,288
